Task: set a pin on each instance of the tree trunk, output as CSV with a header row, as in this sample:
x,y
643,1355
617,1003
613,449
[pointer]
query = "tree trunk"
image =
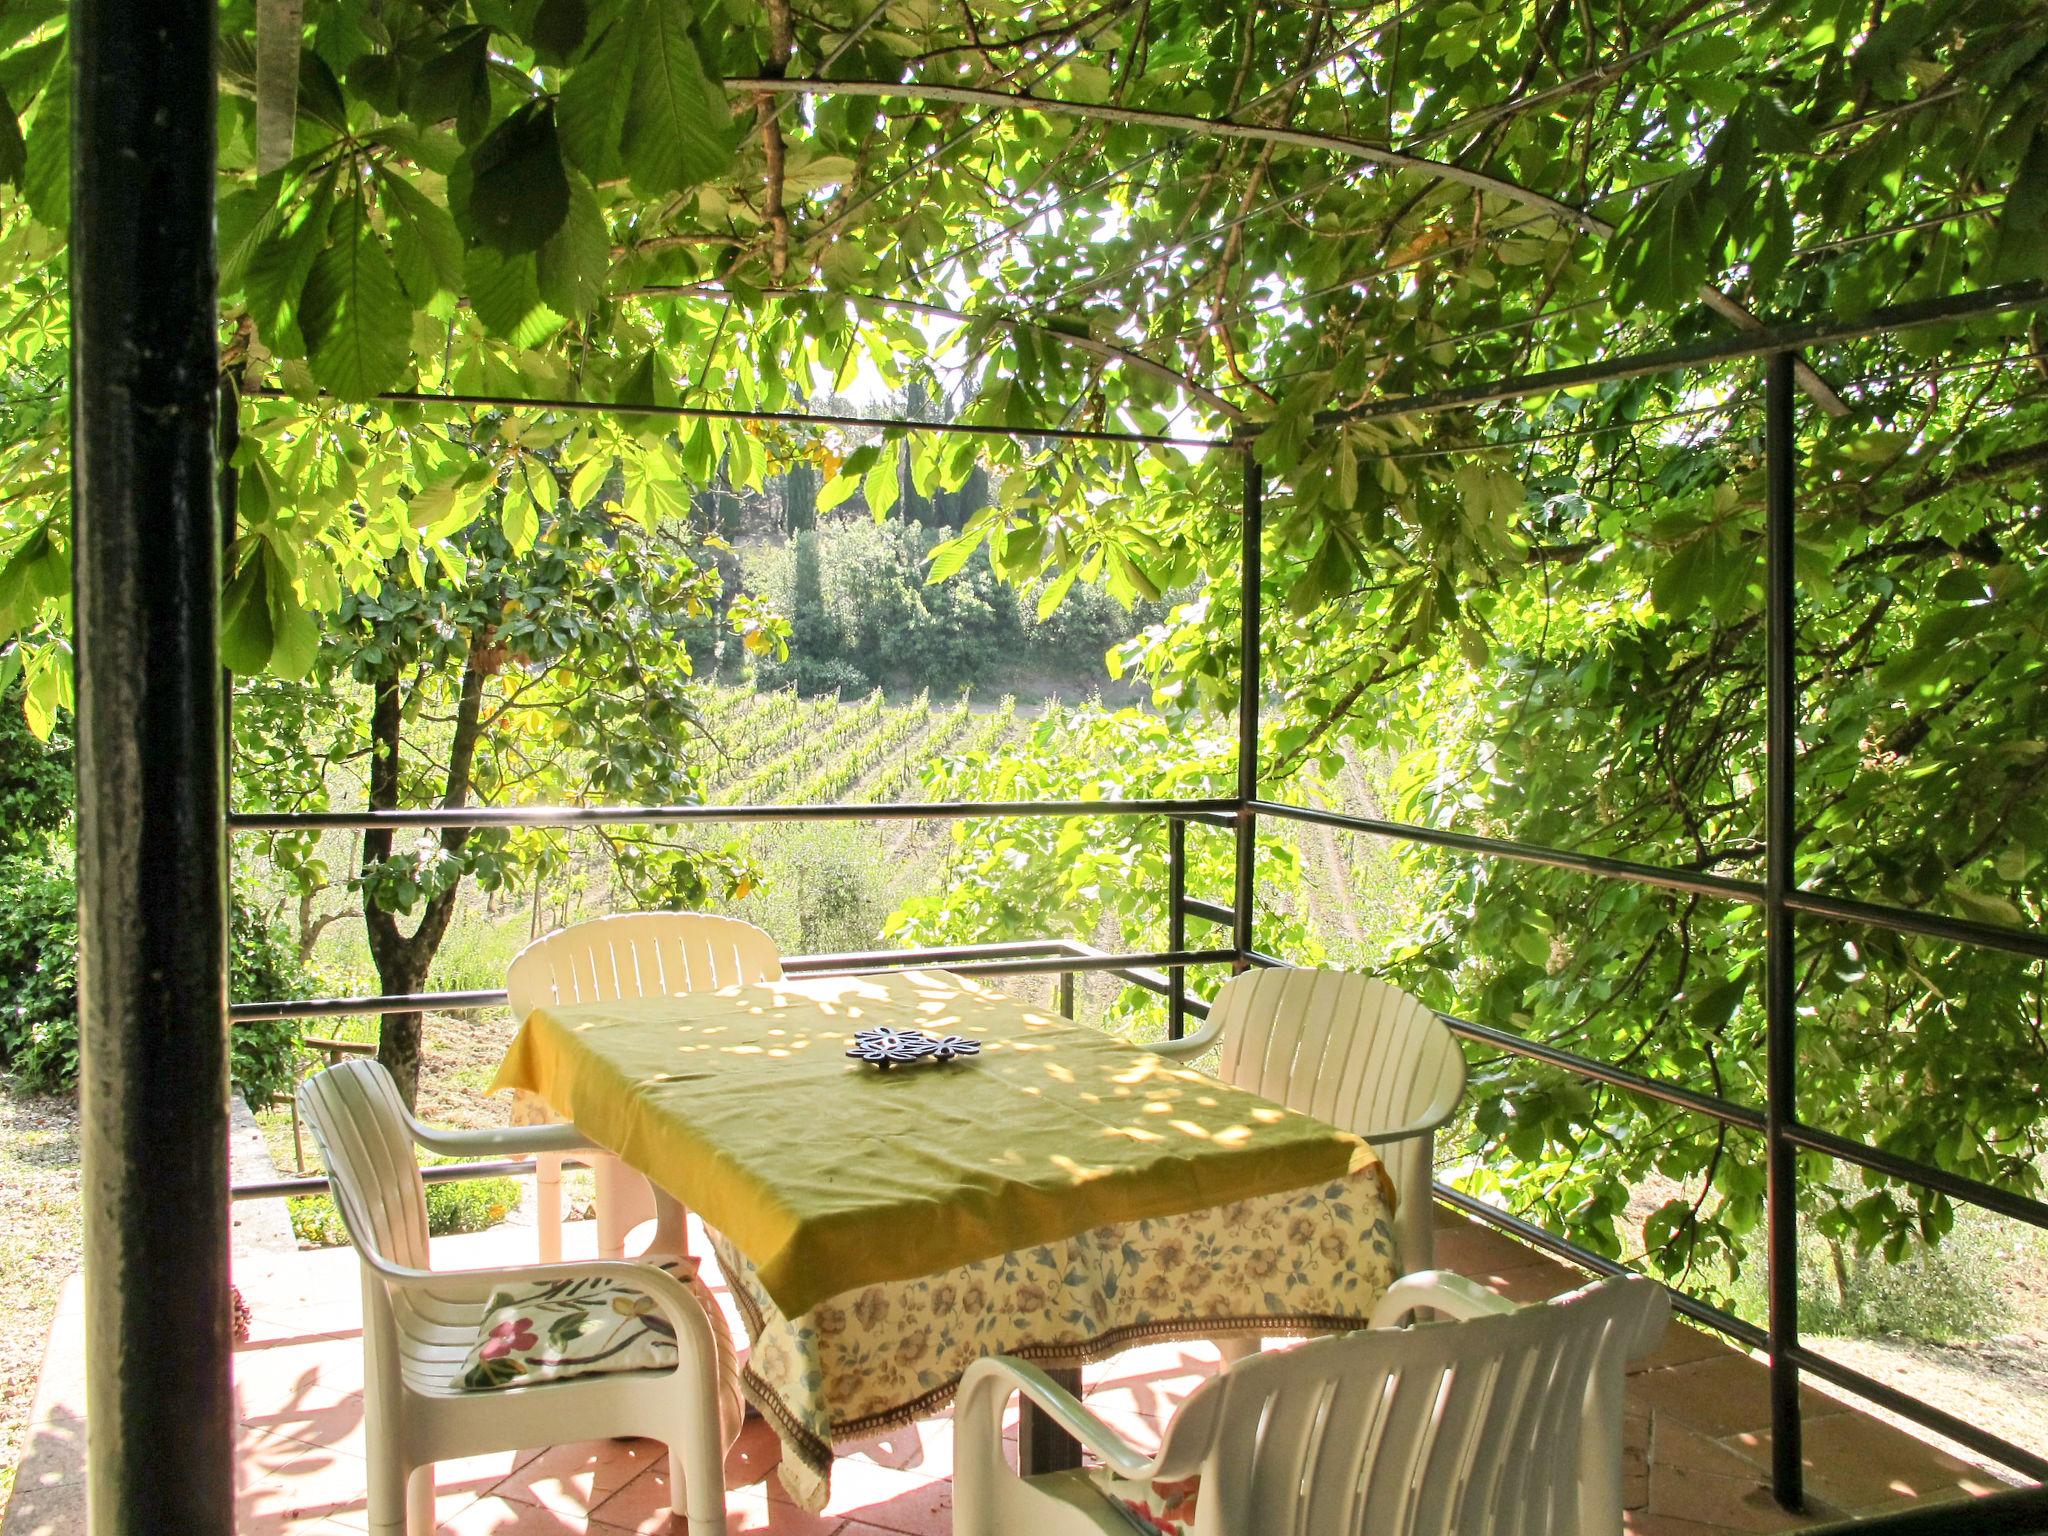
x,y
398,1051
1843,1289
403,960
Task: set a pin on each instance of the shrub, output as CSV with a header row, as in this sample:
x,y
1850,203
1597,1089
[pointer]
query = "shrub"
x,y
39,969
39,981
467,1205
835,883
1932,1294
263,964
35,779
814,679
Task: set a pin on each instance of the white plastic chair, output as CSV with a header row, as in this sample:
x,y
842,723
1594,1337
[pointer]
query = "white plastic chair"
x,y
1505,1424
1351,1050
418,1325
634,954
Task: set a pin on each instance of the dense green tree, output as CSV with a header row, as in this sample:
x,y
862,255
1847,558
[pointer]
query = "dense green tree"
x,y
551,670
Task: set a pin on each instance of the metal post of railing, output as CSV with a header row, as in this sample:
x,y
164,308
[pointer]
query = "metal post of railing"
x,y
152,871
1249,624
1066,994
1176,925
228,492
1781,1048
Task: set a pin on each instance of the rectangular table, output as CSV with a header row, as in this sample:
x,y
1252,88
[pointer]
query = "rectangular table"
x,y
1058,1196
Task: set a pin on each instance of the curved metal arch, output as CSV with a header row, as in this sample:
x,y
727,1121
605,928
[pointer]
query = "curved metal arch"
x,y
1299,138
1188,123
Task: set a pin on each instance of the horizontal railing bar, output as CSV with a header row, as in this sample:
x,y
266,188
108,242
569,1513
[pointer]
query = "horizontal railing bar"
x,y
1933,925
679,815
436,1173
1890,1398
1154,981
1541,1237
1725,1110
1065,955
873,959
1811,1138
1700,354
2009,1512
465,1002
1992,1197
1209,911
346,1007
1921,1412
1025,957
1058,964
1959,930
1895,317
1688,881
794,418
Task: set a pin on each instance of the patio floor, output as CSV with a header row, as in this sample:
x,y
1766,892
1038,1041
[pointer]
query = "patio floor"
x,y
1698,1448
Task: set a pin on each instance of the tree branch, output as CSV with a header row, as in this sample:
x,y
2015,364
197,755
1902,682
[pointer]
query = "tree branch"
x,y
780,45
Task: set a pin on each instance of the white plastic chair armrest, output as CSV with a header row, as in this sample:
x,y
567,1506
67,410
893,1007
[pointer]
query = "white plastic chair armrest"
x,y
1064,1409
1188,1047
1404,1133
507,1139
1429,1120
1437,1290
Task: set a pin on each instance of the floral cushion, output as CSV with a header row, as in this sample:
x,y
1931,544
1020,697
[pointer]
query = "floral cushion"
x,y
1159,1508
564,1328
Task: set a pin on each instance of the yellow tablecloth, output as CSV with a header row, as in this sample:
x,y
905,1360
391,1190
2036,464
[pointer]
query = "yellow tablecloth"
x,y
828,1174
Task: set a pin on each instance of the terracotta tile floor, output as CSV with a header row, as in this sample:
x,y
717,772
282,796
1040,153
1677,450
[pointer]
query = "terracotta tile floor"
x,y
1697,1442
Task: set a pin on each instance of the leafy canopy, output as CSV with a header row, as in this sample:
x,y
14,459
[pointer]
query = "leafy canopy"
x,y
645,201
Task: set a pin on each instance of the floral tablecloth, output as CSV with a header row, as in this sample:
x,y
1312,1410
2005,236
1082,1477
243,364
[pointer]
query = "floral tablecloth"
x,y
1306,1261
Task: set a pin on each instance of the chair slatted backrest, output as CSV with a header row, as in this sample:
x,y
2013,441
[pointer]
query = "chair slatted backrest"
x,y
1506,1425
639,954
1345,1048
359,1122
413,1333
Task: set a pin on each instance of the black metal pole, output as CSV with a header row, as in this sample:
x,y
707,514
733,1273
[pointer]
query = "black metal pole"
x,y
229,431
795,418
1176,925
1770,342
1221,811
1781,1105
1249,623
152,878
1042,1446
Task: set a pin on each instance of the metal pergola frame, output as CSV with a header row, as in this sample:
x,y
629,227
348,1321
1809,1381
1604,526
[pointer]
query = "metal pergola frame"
x,y
153,825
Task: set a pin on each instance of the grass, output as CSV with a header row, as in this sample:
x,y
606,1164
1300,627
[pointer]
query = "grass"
x,y
1979,1283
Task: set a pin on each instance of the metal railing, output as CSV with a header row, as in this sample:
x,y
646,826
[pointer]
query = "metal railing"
x,y
1778,895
